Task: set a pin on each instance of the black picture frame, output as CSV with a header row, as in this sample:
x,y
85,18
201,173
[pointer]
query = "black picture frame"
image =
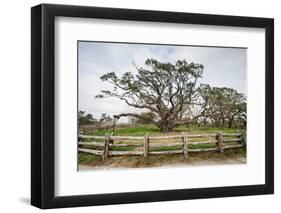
x,y
43,105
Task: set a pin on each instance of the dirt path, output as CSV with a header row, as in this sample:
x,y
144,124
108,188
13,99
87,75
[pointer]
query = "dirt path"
x,y
241,161
138,162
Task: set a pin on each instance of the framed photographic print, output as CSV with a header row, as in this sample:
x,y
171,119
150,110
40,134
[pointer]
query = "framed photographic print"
x,y
139,106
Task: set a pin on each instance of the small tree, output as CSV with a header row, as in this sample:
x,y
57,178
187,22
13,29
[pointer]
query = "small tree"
x,y
86,119
162,88
105,117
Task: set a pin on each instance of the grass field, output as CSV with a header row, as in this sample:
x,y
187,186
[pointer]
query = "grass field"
x,y
153,130
237,155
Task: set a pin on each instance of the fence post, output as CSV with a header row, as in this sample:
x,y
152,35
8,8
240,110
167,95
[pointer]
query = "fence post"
x,y
219,142
106,147
111,141
185,145
114,125
145,146
243,138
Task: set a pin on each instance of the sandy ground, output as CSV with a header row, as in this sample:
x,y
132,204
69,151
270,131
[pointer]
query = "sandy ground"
x,y
195,162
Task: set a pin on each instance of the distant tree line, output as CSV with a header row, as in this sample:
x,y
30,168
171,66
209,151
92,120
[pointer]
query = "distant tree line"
x,y
88,119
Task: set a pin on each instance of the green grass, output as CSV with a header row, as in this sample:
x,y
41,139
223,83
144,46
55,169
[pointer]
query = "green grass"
x,y
201,146
153,130
86,158
165,148
91,139
205,129
92,147
132,131
123,148
178,147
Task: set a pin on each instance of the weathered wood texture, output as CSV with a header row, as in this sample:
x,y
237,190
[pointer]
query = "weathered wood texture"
x,y
231,140
117,138
115,153
202,136
203,142
160,137
91,151
243,138
183,144
158,145
126,145
233,146
99,144
145,146
92,136
219,141
185,147
231,134
106,147
203,149
166,152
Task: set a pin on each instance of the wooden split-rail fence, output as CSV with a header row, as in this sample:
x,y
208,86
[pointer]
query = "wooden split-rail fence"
x,y
221,140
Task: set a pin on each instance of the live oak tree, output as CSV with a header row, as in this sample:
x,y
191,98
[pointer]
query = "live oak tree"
x,y
222,104
147,115
161,88
235,105
241,118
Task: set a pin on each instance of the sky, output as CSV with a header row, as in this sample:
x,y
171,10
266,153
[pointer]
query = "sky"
x,y
223,67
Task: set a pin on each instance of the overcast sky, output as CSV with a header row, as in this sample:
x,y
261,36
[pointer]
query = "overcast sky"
x,y
223,67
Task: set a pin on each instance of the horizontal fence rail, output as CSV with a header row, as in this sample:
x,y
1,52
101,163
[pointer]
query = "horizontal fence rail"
x,y
157,137
145,144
